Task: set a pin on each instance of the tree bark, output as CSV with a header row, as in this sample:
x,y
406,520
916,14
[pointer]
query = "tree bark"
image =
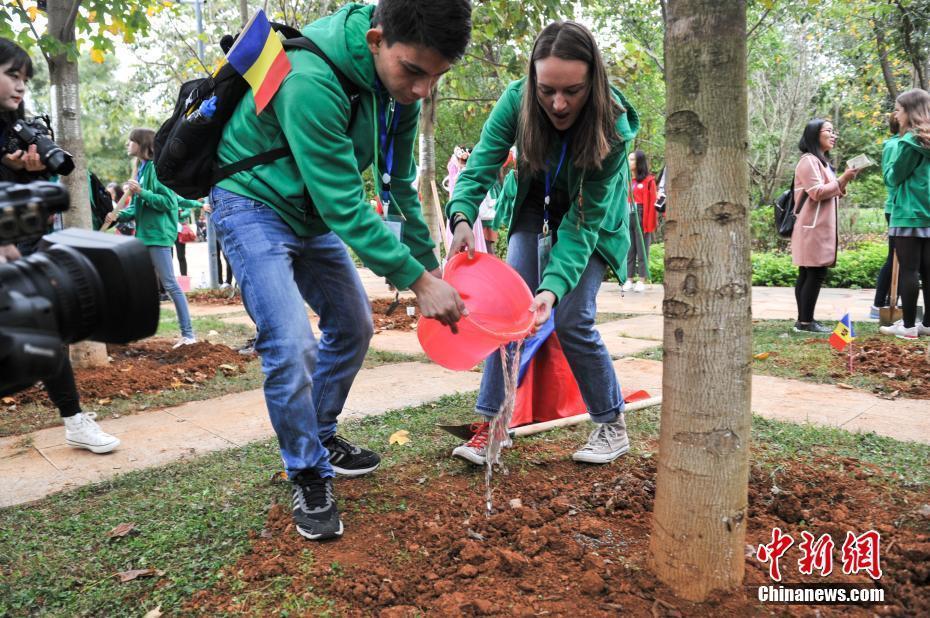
x,y
429,196
244,12
698,539
887,74
66,122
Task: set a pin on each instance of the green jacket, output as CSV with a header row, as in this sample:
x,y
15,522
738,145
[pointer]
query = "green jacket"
x,y
602,224
909,173
887,157
155,210
186,208
309,113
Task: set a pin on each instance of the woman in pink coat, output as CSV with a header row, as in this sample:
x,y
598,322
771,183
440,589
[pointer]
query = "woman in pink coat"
x,y
814,240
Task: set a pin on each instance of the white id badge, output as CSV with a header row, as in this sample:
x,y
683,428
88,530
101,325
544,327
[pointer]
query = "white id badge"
x,y
396,225
543,249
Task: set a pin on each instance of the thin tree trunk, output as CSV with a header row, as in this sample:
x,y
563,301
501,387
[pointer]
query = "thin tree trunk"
x,y
66,122
698,539
429,196
244,11
887,74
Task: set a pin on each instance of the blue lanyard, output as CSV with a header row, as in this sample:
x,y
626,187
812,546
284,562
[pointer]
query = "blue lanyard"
x,y
141,169
549,182
386,145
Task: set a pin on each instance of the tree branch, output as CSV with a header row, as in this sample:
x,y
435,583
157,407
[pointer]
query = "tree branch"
x,y
765,14
32,27
466,100
68,26
486,61
886,68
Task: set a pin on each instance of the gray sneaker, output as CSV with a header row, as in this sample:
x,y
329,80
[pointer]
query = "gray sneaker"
x,y
607,442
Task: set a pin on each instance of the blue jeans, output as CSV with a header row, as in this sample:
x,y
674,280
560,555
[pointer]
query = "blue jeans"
x,y
164,268
584,349
306,384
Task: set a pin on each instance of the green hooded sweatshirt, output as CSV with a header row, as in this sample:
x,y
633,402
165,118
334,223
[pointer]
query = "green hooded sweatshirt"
x,y
598,216
155,210
888,151
310,113
909,173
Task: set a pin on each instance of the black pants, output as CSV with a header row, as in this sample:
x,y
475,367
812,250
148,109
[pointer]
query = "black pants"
x,y
883,284
807,289
219,267
914,264
182,257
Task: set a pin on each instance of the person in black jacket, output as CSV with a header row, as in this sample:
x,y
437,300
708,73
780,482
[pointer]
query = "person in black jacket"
x,y
25,166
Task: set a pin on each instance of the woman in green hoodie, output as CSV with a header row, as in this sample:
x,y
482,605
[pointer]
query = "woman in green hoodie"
x,y
909,174
154,208
568,221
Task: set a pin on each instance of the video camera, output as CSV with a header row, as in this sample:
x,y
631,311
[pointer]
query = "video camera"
x,y
24,133
80,285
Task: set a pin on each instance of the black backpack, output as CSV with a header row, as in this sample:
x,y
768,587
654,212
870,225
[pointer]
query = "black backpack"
x,y
101,204
185,145
785,212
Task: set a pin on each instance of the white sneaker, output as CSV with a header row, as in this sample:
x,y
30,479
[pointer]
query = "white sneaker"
x,y
639,287
898,330
82,431
923,331
607,442
184,341
475,450
627,285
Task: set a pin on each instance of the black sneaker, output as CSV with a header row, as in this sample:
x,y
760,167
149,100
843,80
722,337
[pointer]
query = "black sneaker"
x,y
350,460
315,514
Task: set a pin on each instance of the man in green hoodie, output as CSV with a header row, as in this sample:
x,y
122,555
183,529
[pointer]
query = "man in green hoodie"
x,y
283,224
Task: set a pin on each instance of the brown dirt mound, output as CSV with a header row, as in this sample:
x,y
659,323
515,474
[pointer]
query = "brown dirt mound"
x,y
215,297
903,368
577,546
146,367
398,320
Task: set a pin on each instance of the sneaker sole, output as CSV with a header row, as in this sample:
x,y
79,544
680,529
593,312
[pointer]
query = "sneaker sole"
x,y
468,455
322,536
356,471
95,448
594,458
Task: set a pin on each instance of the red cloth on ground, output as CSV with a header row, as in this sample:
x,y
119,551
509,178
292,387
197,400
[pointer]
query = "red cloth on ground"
x,y
548,390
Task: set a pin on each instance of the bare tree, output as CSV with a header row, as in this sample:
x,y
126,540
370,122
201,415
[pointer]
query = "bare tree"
x,y
699,527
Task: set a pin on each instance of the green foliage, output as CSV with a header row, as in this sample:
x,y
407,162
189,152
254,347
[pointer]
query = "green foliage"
x,y
855,268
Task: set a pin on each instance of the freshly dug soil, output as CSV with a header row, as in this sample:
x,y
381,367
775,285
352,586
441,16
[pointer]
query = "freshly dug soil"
x,y
904,368
215,297
398,320
146,366
578,546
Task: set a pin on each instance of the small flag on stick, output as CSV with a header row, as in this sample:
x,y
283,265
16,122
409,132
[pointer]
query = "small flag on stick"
x,y
843,334
259,57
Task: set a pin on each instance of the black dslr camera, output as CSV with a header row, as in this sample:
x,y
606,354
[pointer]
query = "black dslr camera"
x,y
24,133
80,285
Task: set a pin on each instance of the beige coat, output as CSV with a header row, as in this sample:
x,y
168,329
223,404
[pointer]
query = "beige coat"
x,y
814,239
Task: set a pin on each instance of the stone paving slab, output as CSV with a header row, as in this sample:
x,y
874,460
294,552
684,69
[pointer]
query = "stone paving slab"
x,y
402,342
640,327
38,464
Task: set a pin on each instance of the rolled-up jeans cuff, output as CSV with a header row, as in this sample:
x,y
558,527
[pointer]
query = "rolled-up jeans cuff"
x,y
609,416
487,413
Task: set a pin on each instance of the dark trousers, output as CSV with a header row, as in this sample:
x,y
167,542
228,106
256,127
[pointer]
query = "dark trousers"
x,y
883,283
807,289
219,267
639,248
914,266
182,257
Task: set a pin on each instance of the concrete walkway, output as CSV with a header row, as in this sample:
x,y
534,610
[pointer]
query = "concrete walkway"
x,y
35,465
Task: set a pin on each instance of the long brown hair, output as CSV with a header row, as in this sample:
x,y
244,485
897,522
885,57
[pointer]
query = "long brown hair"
x,y
594,131
916,104
146,140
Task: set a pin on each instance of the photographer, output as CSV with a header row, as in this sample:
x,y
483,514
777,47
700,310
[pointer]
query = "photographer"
x,y
24,166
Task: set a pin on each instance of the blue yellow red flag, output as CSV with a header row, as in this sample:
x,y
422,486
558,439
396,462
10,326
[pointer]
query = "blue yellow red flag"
x,y
259,57
843,334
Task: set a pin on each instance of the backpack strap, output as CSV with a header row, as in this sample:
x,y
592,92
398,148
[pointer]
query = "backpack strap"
x,y
350,88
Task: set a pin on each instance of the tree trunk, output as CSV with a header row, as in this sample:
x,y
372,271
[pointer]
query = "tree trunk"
x,y
698,539
429,196
66,122
244,12
887,74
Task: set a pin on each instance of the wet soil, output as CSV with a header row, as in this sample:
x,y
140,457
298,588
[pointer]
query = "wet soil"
x,y
148,366
417,544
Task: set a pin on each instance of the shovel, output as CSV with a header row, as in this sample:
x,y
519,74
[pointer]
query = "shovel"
x,y
889,315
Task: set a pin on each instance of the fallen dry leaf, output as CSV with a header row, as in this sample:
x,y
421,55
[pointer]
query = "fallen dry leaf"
x,y
399,437
844,385
128,576
227,367
121,530
104,401
761,355
153,613
8,401
279,477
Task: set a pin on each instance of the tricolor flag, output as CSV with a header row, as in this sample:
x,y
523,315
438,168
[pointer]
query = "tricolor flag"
x,y
843,334
259,57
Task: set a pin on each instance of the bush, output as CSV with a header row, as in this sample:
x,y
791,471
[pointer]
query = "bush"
x,y
857,268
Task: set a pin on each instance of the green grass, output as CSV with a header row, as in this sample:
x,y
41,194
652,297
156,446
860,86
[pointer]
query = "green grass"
x,y
194,517
802,357
601,318
233,335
